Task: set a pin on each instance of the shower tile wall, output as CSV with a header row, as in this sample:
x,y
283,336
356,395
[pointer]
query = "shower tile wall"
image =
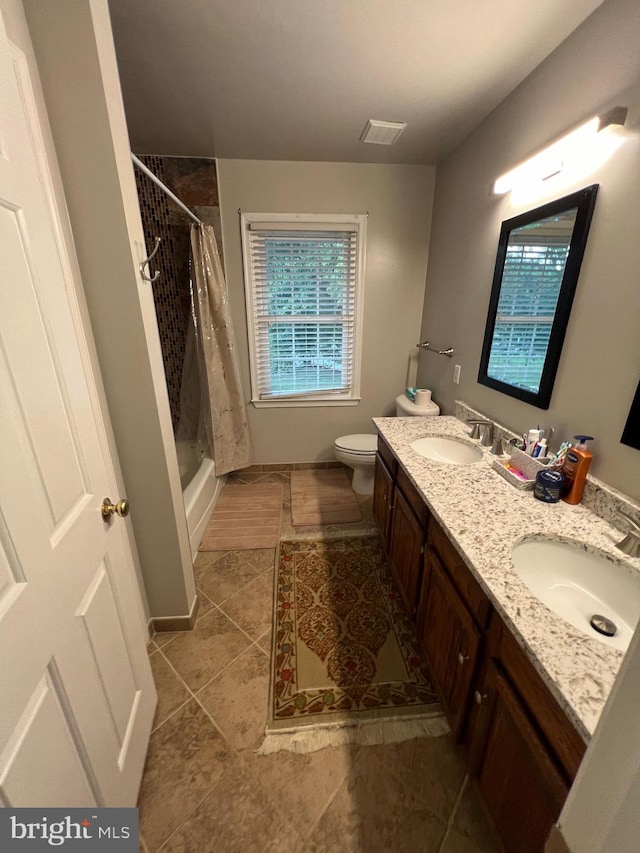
x,y
194,181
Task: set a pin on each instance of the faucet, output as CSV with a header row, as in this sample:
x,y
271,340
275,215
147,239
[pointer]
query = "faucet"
x,y
481,429
631,543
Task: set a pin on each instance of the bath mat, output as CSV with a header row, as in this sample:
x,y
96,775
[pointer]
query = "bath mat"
x,y
322,497
345,664
245,517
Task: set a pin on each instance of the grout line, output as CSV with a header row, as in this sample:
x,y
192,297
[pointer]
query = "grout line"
x,y
212,720
173,713
226,666
255,642
327,805
218,603
188,817
194,695
191,697
248,770
242,588
212,563
200,613
454,810
164,645
266,651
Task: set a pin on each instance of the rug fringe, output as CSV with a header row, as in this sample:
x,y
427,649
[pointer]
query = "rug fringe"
x,y
364,733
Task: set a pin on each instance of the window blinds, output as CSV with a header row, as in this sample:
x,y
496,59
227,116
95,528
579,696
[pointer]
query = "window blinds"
x,y
303,295
531,282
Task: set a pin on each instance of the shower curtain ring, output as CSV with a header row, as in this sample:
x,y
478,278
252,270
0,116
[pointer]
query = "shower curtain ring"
x,y
148,260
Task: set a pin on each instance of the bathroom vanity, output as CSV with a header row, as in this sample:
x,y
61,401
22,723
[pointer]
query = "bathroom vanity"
x,y
522,689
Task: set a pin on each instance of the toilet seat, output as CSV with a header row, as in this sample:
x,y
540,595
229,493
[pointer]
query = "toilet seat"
x,y
358,444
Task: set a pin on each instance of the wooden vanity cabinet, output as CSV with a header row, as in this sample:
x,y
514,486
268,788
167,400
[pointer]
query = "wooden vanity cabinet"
x,y
383,487
450,640
401,516
522,787
523,751
406,550
452,615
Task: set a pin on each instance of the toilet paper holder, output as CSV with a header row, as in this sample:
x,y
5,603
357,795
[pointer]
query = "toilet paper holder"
x,y
426,345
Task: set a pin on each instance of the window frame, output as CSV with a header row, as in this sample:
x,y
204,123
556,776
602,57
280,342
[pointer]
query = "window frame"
x,y
357,222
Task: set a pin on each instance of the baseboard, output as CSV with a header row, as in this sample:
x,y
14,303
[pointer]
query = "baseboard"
x,y
177,623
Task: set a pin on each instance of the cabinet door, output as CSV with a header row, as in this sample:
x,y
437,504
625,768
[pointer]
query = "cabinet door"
x,y
522,787
382,497
450,641
406,549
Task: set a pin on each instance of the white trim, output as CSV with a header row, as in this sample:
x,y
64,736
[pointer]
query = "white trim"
x,y
325,402
326,220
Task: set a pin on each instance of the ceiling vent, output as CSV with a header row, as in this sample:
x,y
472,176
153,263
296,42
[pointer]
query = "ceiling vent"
x,y
382,132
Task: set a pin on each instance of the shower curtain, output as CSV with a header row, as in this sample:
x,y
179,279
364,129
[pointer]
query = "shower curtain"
x,y
212,408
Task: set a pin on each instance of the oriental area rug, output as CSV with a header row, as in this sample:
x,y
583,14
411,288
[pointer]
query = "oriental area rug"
x,y
345,664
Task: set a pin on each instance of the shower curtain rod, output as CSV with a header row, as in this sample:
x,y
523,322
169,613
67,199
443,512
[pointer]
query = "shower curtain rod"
x,y
164,188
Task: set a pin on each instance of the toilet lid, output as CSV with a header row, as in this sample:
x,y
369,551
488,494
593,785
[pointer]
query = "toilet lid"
x,y
363,442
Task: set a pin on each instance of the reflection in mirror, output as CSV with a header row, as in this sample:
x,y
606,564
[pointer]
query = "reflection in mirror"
x,y
537,268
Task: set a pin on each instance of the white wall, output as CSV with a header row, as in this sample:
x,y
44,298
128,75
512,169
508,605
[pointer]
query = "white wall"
x,y
398,200
597,67
602,811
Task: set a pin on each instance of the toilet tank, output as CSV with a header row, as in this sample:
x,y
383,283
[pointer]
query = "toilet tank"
x,y
405,408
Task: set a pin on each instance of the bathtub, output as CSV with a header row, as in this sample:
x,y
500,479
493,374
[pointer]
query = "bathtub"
x,y
200,489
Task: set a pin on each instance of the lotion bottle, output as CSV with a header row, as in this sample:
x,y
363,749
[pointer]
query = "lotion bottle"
x,y
575,468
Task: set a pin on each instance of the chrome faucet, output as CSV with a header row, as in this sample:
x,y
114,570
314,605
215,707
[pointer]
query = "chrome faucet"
x,y
481,429
631,543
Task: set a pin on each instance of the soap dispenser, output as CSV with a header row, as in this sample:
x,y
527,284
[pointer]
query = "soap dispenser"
x,y
575,468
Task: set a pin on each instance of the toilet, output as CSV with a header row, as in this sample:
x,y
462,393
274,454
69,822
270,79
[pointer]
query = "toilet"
x,y
406,408
358,451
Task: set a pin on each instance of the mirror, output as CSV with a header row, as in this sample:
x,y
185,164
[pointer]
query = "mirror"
x,y
539,257
631,434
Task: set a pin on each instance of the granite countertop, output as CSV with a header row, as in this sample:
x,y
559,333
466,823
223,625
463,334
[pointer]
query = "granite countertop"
x,y
485,517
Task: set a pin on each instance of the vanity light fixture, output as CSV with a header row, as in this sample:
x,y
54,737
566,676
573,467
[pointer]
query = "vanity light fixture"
x,y
382,132
551,160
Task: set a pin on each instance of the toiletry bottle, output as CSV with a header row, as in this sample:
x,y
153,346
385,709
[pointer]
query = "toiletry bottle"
x,y
576,465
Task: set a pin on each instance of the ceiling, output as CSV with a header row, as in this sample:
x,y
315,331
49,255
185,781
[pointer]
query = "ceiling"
x,y
298,79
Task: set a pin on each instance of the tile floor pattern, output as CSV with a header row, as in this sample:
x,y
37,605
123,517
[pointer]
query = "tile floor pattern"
x,y
205,790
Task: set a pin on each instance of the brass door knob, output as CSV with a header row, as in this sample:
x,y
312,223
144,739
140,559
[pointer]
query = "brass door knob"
x,y
121,508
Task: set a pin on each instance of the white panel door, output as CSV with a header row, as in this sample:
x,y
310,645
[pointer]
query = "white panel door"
x,y
76,692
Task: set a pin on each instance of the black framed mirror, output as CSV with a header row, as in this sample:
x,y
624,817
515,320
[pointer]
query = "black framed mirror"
x,y
537,267
631,434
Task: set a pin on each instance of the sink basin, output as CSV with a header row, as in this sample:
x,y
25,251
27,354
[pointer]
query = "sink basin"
x,y
578,585
442,449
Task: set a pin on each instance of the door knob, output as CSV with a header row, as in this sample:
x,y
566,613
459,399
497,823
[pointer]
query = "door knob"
x,y
462,658
479,697
108,509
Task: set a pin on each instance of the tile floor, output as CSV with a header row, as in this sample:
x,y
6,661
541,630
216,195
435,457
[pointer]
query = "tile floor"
x,y
204,788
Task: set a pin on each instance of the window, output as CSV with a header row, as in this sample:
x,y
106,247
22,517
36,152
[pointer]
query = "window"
x,y
536,273
303,282
531,280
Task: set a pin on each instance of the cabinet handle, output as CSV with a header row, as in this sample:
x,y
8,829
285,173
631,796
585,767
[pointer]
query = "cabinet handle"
x,y
479,697
462,658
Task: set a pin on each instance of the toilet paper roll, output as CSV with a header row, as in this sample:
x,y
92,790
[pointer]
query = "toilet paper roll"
x,y
423,397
